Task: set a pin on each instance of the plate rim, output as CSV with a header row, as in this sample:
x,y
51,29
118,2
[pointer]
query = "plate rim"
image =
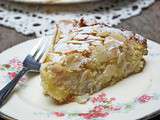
x,y
5,116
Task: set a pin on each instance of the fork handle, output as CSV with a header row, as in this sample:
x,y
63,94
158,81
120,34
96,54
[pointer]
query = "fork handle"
x,y
7,90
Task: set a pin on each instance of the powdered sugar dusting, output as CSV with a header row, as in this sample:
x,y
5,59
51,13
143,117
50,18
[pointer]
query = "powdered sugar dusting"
x,y
64,47
80,39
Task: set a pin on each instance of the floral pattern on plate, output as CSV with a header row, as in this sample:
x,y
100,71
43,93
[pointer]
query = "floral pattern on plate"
x,y
103,105
8,71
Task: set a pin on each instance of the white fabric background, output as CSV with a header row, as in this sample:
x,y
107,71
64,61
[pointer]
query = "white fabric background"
x,y
39,19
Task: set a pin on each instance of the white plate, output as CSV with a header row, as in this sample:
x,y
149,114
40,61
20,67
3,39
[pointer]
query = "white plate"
x,y
132,98
54,1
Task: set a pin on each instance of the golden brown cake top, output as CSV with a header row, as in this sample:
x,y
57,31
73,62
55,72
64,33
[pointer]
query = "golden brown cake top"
x,y
82,37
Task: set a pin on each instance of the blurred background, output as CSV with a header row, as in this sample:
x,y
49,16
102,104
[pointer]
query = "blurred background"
x,y
20,22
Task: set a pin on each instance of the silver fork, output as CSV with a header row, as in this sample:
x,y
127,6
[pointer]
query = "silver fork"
x,y
30,64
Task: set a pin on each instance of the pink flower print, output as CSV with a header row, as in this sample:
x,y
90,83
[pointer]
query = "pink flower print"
x,y
58,114
100,98
113,108
12,75
1,66
144,98
112,99
7,66
16,63
89,116
98,109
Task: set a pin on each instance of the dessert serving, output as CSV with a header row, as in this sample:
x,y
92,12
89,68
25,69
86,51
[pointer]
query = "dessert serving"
x,y
86,57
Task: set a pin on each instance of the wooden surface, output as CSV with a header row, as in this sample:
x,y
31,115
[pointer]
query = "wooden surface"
x,y
147,24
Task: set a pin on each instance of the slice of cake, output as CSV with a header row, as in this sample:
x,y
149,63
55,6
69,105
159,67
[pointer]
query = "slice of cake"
x,y
87,57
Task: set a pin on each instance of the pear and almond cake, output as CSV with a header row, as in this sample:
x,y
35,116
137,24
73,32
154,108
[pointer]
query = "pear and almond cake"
x,y
86,57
